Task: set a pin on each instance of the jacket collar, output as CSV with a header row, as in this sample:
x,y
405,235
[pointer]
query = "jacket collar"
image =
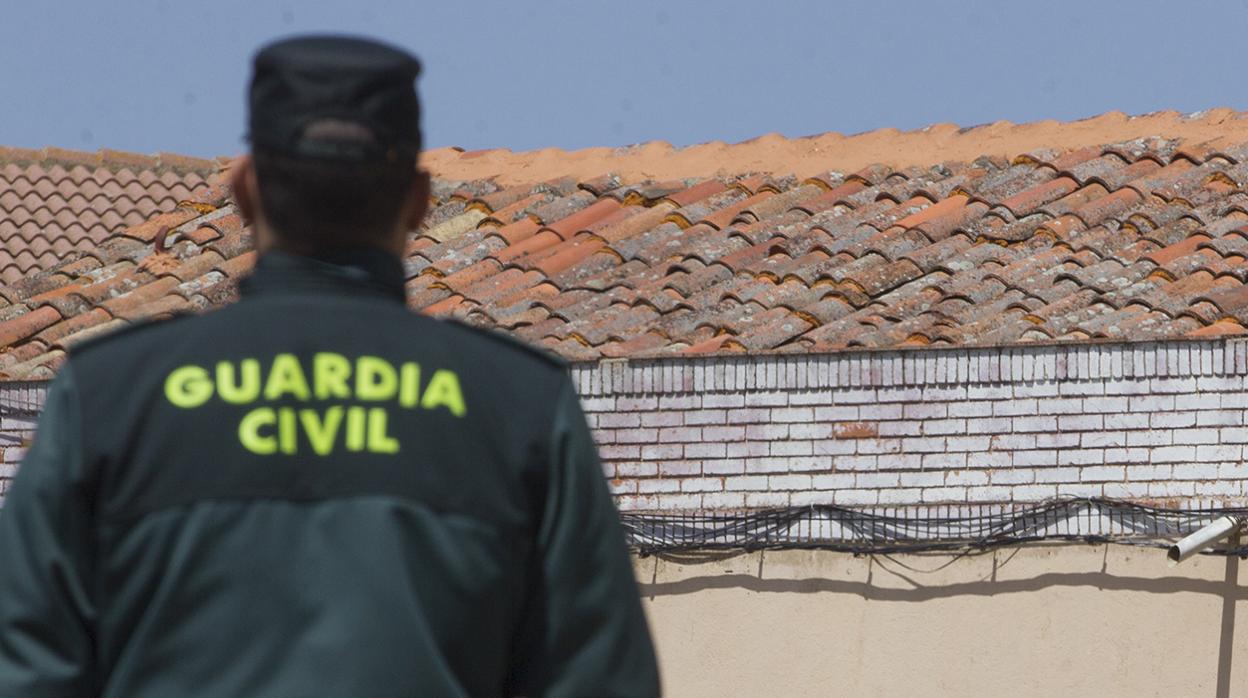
x,y
360,270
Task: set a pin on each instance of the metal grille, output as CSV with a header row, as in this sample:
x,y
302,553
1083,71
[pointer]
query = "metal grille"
x,y
828,527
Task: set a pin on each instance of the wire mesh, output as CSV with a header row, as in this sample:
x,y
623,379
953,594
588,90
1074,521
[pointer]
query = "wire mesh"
x,y
918,529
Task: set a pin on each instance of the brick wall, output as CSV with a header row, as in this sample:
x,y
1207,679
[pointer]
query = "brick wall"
x,y
1145,421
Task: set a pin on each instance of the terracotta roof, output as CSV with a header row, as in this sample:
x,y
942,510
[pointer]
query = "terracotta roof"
x,y
56,204
1139,240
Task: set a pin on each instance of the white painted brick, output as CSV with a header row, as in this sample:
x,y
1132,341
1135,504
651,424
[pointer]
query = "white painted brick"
x,y
1081,456
723,400
617,420
1013,476
988,391
988,494
1035,389
1148,472
1233,435
1171,489
838,413
959,444
1172,385
1127,455
878,446
759,500
1159,437
1104,405
899,394
1206,454
1083,489
877,480
1208,435
1095,439
944,494
789,482
1033,459
706,450
933,478
680,435
855,396
1080,422
633,436
1126,386
1237,400
767,431
966,477
1217,384
1102,473
1171,420
713,433
792,448
930,410
636,403
810,397
1013,442
755,483
1151,403
1013,408
836,481
657,485
1125,490
900,496
1057,440
637,503
767,399
698,417
810,431
910,428
923,444
598,404
1033,493
835,447
851,498
900,461
723,500
802,499
855,462
1220,418
944,460
970,409
1126,420
724,466
1081,388
1057,475
989,459
636,469
793,414
748,415
662,419
866,412
680,502
1233,471
1219,488
661,451
748,449
670,468
1033,424
936,427
1195,471
768,464
619,452
1064,405
1197,401
990,425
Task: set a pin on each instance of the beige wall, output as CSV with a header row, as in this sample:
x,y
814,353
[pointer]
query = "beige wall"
x,y
1034,621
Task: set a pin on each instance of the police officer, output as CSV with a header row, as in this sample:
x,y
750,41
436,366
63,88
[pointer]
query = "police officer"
x,y
315,491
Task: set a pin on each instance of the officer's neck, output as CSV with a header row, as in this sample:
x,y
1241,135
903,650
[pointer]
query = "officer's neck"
x,y
338,269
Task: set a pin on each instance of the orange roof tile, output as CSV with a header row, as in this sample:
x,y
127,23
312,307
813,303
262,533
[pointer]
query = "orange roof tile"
x,y
1136,240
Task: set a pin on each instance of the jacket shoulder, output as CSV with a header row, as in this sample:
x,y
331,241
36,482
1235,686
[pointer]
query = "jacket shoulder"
x,y
508,342
136,331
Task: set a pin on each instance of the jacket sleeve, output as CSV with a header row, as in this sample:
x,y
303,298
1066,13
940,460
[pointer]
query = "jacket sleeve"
x,y
46,610
584,633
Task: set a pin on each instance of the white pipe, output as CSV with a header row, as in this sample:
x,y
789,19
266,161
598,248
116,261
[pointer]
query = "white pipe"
x,y
1220,528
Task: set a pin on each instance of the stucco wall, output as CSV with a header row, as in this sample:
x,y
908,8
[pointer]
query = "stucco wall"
x,y
1162,422
1033,621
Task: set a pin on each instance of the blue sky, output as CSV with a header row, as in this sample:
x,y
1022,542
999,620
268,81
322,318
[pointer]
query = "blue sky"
x,y
169,75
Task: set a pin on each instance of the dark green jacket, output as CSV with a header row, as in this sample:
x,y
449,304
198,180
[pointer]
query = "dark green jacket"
x,y
315,492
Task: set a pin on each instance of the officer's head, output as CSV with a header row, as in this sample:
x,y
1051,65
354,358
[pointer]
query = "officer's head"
x,y
334,126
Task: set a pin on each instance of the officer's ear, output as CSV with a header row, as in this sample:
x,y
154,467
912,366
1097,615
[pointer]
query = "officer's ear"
x,y
419,200
243,184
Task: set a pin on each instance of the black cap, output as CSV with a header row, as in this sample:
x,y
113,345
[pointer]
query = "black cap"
x,y
335,97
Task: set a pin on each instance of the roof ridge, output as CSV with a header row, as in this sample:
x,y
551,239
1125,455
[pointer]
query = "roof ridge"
x,y
810,155
111,159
